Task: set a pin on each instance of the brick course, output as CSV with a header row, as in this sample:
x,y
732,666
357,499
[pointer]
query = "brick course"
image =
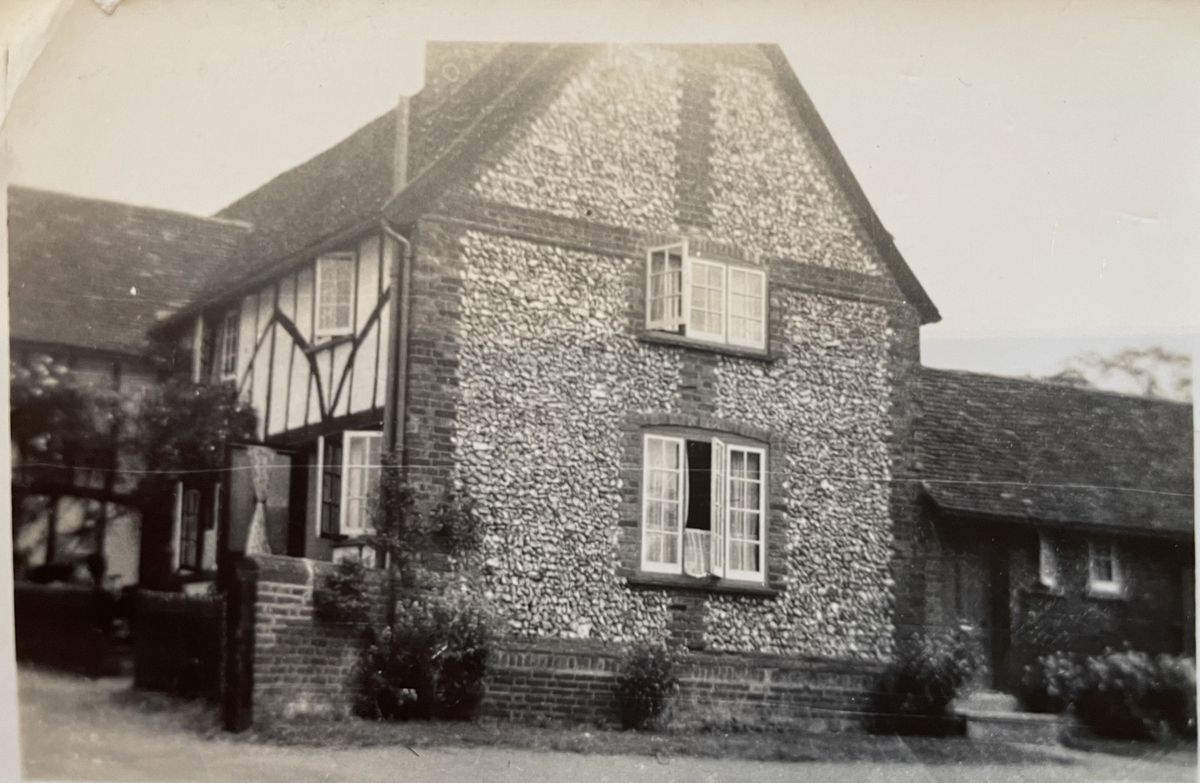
x,y
304,667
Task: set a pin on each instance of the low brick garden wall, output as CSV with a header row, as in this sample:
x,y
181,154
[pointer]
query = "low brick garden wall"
x,y
304,667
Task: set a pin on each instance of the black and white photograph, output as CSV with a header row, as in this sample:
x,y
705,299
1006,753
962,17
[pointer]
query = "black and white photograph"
x,y
605,391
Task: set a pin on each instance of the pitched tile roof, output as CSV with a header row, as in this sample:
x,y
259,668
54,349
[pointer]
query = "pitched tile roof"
x,y
341,187
473,91
98,274
1033,450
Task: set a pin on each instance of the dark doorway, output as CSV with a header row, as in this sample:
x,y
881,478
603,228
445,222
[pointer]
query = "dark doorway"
x,y
298,503
999,619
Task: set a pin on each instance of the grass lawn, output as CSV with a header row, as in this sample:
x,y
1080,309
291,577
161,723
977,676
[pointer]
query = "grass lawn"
x,y
745,745
201,718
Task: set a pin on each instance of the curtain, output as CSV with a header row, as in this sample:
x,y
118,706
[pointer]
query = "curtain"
x,y
261,461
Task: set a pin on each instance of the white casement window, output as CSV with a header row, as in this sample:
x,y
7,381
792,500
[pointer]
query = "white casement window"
x,y
664,289
703,508
335,294
348,466
360,484
747,307
1047,561
662,504
229,345
1104,568
707,300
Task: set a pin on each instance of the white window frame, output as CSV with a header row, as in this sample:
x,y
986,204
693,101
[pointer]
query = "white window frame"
x,y
666,323
336,330
230,327
655,566
690,265
740,574
1047,561
1109,587
344,503
761,342
721,492
690,262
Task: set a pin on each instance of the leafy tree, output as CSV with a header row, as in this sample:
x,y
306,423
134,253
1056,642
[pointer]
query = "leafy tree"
x,y
53,416
183,426
1150,372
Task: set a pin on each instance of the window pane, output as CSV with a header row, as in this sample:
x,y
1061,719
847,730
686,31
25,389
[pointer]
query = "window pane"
x,y
707,298
336,292
754,465
670,549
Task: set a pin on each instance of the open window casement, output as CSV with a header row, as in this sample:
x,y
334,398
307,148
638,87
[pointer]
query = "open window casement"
x,y
703,508
745,537
360,480
662,504
719,510
710,301
665,287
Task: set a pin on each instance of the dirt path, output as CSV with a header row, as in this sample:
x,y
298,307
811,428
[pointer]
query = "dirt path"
x,y
75,729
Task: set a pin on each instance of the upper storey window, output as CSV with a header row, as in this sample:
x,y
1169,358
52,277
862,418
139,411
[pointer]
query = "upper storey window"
x,y
704,299
229,345
335,294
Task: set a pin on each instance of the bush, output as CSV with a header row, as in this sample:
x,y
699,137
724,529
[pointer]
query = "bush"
x,y
1174,694
645,683
1129,695
430,663
1049,685
926,674
341,595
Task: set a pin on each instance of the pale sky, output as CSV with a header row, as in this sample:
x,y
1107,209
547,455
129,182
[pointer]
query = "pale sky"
x,y
1037,162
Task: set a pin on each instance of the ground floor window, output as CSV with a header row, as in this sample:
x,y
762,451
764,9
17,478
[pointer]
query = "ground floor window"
x,y
196,511
1104,567
703,507
349,481
1047,561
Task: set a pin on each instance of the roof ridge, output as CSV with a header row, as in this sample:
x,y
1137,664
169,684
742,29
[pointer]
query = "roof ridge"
x,y
129,205
1014,380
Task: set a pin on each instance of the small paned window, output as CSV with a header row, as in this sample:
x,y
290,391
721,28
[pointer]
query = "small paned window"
x,y
1104,568
704,299
189,530
335,294
703,508
360,480
331,487
350,469
229,345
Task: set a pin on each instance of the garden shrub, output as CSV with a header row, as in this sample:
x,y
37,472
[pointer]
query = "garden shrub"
x,y
926,674
1129,695
431,662
341,595
1174,694
1113,695
646,681
1049,684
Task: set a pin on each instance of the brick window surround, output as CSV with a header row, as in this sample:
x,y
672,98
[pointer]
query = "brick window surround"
x,y
699,427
